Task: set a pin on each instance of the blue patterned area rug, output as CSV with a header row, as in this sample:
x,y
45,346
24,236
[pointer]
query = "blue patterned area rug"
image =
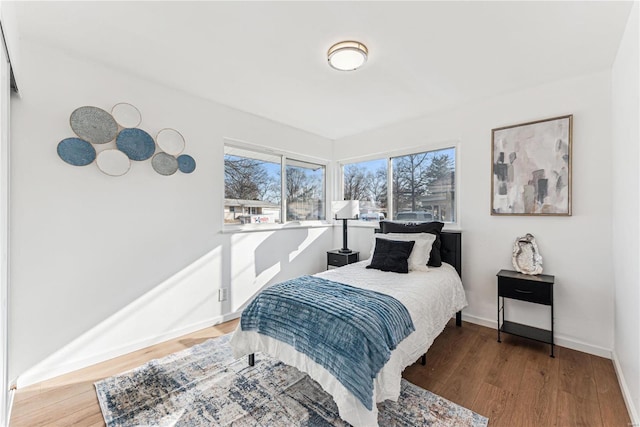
x,y
205,386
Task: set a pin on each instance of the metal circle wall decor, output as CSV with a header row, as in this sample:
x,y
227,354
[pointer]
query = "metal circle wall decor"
x,y
76,151
170,141
136,143
113,162
93,124
186,163
126,115
164,164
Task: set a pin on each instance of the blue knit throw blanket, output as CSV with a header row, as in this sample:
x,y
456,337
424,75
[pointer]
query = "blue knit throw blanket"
x,y
347,330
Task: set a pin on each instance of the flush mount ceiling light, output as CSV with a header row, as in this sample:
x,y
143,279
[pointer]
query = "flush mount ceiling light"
x,y
347,56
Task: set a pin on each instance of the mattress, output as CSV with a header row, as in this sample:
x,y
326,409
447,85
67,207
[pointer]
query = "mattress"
x,y
432,297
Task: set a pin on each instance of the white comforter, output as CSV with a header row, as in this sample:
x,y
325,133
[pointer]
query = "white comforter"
x,y
432,298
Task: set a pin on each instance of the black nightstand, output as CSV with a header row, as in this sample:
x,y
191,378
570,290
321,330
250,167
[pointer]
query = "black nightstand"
x,y
536,289
335,258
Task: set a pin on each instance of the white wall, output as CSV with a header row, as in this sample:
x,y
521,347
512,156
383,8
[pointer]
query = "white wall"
x,y
626,216
101,265
5,77
576,249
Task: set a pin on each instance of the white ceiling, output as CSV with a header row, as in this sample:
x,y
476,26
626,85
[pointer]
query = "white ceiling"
x,y
269,58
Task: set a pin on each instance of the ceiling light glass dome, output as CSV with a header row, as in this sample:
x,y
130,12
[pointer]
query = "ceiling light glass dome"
x,y
347,55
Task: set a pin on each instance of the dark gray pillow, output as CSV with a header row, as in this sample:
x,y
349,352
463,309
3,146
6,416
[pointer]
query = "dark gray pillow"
x,y
391,255
434,227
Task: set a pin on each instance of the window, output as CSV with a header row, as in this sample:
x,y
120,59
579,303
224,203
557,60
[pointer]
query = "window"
x,y
305,191
421,186
254,190
367,182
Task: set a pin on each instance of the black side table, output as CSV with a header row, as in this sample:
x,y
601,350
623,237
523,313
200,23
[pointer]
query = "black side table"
x,y
535,289
335,258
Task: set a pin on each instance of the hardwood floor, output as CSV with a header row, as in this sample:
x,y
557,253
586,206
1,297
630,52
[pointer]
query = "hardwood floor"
x,y
513,383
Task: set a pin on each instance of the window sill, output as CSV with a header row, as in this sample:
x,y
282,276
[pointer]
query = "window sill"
x,y
295,225
292,225
448,226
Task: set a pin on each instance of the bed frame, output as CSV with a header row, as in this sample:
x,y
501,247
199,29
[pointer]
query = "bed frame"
x,y
451,252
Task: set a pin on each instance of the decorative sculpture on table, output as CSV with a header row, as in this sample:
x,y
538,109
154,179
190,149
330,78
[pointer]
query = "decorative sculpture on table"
x,y
526,258
122,142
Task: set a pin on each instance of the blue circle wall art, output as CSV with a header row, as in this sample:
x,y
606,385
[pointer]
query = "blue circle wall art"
x,y
136,143
93,124
76,151
186,163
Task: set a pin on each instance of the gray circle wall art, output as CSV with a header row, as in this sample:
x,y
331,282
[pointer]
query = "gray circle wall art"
x,y
93,124
113,162
186,163
164,164
126,115
136,143
76,151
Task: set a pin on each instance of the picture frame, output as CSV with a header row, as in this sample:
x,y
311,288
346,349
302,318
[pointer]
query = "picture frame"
x,y
531,168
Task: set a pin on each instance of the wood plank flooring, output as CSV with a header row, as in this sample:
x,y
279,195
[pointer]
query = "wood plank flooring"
x,y
514,383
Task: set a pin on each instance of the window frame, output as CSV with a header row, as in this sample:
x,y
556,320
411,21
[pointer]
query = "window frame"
x,y
388,157
284,156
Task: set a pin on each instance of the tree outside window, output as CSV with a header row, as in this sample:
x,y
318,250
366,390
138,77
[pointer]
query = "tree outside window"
x,y
253,188
422,186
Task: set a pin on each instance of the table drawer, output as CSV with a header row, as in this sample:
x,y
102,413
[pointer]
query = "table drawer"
x,y
523,290
336,260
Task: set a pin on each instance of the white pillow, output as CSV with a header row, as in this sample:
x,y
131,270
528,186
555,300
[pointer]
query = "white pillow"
x,y
421,249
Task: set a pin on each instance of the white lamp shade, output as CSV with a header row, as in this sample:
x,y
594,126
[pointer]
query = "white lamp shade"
x,y
345,209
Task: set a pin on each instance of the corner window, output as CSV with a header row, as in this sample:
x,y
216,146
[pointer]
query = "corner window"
x,y
423,186
367,182
420,188
305,191
255,192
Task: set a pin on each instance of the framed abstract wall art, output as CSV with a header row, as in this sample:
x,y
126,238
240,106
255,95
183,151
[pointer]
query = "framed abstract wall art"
x,y
531,168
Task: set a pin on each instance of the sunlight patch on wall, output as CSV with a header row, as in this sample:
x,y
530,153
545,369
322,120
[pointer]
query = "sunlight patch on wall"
x,y
311,237
166,311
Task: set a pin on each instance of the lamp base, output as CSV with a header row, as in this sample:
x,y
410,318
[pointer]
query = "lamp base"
x,y
345,251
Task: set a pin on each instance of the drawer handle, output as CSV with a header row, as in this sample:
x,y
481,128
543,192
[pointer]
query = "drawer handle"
x,y
523,292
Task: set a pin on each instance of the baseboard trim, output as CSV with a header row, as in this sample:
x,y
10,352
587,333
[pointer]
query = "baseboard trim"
x,y
561,340
231,316
633,411
38,374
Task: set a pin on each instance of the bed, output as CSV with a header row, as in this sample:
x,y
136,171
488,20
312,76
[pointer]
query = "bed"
x,y
430,297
